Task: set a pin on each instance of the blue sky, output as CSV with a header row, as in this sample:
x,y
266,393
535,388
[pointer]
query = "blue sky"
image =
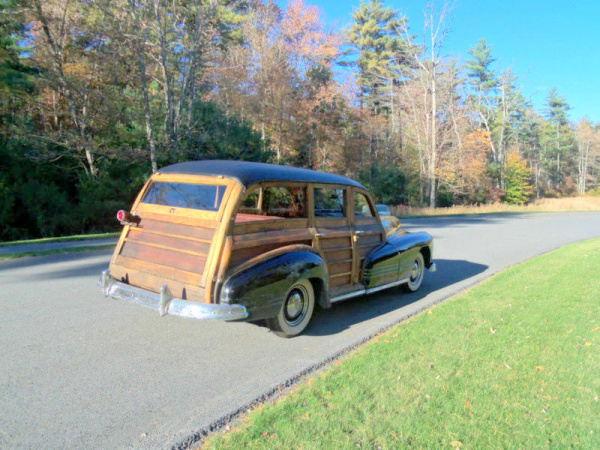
x,y
547,43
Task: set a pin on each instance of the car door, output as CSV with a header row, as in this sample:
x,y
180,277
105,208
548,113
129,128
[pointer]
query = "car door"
x,y
333,235
368,234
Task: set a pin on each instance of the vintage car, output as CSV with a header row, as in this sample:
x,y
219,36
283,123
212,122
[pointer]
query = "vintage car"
x,y
236,240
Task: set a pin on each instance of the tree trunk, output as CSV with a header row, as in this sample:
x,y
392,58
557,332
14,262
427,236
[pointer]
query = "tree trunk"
x,y
56,49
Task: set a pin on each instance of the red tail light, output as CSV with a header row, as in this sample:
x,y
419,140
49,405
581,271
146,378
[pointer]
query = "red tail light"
x,y
126,218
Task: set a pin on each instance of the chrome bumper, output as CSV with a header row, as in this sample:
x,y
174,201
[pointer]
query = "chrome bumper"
x,y
164,302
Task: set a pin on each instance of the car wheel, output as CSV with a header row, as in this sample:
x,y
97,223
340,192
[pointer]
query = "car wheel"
x,y
416,274
296,310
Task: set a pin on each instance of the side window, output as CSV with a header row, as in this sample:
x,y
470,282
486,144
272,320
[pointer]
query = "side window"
x,y
250,202
329,202
361,206
278,202
285,201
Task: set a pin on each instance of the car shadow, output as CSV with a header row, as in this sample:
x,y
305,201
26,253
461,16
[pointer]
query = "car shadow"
x,y
344,315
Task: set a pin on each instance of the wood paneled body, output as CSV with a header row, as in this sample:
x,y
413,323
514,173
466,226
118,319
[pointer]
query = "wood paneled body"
x,y
193,251
255,238
172,245
162,251
368,236
334,240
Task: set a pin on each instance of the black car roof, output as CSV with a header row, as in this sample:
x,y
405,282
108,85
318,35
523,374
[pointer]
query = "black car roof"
x,y
249,173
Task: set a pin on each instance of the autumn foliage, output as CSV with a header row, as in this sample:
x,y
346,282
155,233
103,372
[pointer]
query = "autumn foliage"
x,y
97,95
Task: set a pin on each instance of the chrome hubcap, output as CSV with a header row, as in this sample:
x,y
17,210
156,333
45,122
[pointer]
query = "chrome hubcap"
x,y
415,271
294,305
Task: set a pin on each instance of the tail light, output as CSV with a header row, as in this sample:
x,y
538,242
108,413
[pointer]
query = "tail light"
x,y
126,218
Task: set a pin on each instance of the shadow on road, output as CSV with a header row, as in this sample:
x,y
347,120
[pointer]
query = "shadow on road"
x,y
345,314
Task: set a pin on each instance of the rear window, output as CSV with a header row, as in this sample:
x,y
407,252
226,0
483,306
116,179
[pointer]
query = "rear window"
x,y
185,195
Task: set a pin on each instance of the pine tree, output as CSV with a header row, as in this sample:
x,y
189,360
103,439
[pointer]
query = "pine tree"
x,y
375,35
560,148
482,76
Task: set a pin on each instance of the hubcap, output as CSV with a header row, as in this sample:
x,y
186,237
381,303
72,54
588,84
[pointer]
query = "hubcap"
x,y
295,306
415,271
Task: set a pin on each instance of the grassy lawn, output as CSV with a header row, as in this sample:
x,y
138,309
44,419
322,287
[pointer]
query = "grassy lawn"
x,y
513,363
78,237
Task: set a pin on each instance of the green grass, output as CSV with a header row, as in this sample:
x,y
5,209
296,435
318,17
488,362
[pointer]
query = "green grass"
x,y
78,237
56,251
512,363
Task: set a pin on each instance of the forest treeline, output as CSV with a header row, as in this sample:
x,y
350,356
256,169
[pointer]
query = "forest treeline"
x,y
97,94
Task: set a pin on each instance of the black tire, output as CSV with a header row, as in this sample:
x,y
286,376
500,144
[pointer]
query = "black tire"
x,y
296,310
416,274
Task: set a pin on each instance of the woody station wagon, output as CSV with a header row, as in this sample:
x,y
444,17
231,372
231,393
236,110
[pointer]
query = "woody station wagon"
x,y
235,240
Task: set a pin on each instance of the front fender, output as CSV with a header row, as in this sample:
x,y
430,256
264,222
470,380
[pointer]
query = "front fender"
x,y
389,262
261,287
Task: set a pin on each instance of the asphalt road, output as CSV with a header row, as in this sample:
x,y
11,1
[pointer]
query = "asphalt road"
x,y
80,370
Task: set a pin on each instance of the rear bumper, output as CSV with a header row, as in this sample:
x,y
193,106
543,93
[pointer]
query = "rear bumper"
x,y
164,302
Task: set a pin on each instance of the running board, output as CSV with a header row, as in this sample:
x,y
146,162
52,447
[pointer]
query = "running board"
x,y
365,291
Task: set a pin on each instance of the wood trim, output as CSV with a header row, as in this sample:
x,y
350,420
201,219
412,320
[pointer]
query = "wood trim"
x,y
270,237
179,219
337,275
268,226
225,259
177,229
212,261
188,213
165,247
177,236
321,222
154,283
164,271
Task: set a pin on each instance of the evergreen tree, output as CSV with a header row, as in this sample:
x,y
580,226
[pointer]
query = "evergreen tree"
x,y
482,76
375,35
559,140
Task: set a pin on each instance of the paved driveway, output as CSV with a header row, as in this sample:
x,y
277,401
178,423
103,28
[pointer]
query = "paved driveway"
x,y
81,370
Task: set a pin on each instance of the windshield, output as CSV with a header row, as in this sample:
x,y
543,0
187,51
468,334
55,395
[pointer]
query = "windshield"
x,y
185,195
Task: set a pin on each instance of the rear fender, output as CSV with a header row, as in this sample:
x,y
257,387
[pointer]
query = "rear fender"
x,y
262,283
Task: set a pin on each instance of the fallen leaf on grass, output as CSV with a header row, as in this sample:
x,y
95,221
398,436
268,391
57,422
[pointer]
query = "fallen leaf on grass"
x,y
265,433
493,330
338,363
468,405
456,444
540,368
430,312
587,344
596,329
